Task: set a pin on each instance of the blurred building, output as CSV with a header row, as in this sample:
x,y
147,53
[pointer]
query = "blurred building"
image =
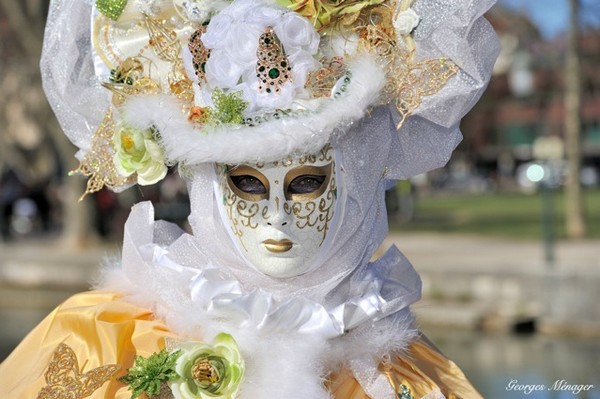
x,y
525,99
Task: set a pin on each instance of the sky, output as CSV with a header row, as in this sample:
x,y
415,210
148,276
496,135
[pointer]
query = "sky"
x,y
551,16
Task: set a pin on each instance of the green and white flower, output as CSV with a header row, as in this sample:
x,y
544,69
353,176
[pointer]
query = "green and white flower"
x,y
137,151
208,371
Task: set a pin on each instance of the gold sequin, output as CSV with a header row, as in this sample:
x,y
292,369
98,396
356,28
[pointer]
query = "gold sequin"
x,y
98,165
65,381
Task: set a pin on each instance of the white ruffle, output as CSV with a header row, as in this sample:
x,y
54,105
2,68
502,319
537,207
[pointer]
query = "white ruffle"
x,y
201,301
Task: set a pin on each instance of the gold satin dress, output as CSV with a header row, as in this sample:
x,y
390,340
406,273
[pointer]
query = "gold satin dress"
x,y
82,348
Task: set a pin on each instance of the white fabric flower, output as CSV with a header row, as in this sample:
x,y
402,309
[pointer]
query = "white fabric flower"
x,y
138,152
335,45
218,28
240,44
222,70
295,31
406,22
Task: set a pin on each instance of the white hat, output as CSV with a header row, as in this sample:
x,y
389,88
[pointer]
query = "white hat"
x,y
153,83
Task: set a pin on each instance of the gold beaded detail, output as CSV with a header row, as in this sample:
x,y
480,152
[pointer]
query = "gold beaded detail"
x,y
65,381
199,52
272,68
98,165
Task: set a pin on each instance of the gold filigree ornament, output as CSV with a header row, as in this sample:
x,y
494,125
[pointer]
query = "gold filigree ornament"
x,y
320,82
163,40
407,81
272,68
98,165
65,381
421,80
167,47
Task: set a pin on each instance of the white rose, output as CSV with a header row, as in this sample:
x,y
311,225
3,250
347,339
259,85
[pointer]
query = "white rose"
x,y
217,30
406,22
222,70
270,101
264,16
241,43
239,9
295,31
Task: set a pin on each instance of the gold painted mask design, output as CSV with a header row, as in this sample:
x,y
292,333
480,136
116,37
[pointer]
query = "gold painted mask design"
x,y
280,212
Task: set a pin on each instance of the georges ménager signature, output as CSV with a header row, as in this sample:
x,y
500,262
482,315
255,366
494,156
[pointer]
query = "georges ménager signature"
x,y
559,385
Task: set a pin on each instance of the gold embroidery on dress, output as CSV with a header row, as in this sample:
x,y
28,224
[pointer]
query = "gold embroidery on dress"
x,y
65,381
97,165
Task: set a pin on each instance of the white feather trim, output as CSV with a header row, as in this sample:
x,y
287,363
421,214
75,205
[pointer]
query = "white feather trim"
x,y
269,141
291,366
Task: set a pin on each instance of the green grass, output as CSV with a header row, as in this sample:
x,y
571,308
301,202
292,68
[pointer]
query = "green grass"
x,y
499,214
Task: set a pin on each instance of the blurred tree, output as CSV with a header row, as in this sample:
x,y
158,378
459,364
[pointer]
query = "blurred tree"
x,y
575,223
32,143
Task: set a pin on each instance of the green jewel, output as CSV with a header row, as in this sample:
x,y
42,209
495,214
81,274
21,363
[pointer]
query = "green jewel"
x,y
111,8
273,73
404,393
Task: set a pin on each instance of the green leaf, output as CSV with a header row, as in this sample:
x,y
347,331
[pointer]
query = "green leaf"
x,y
229,107
147,374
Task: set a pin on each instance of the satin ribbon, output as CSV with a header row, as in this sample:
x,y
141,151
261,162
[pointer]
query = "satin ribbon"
x,y
224,298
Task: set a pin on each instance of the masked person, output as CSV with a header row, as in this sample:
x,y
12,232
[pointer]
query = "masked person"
x,y
288,119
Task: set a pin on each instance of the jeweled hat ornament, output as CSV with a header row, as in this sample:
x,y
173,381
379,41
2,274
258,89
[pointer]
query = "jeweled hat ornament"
x,y
184,81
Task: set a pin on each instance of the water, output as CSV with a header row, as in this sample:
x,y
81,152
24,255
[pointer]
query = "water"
x,y
533,366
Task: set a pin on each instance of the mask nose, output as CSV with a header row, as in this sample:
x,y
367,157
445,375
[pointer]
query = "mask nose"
x,y
276,216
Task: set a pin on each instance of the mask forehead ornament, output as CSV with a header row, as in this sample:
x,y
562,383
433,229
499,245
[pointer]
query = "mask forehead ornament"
x,y
280,213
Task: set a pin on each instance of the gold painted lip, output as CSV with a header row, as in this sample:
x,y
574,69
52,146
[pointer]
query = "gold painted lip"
x,y
278,246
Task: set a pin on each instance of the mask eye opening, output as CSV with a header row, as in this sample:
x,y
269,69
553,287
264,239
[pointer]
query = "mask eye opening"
x,y
307,182
248,183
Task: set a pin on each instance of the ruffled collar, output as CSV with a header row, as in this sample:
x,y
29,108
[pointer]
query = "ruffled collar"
x,y
202,300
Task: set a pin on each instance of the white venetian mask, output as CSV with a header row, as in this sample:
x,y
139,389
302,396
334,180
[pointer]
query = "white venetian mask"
x,y
280,213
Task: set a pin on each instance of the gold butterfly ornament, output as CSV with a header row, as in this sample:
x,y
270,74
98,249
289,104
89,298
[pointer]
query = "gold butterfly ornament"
x,y
65,381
